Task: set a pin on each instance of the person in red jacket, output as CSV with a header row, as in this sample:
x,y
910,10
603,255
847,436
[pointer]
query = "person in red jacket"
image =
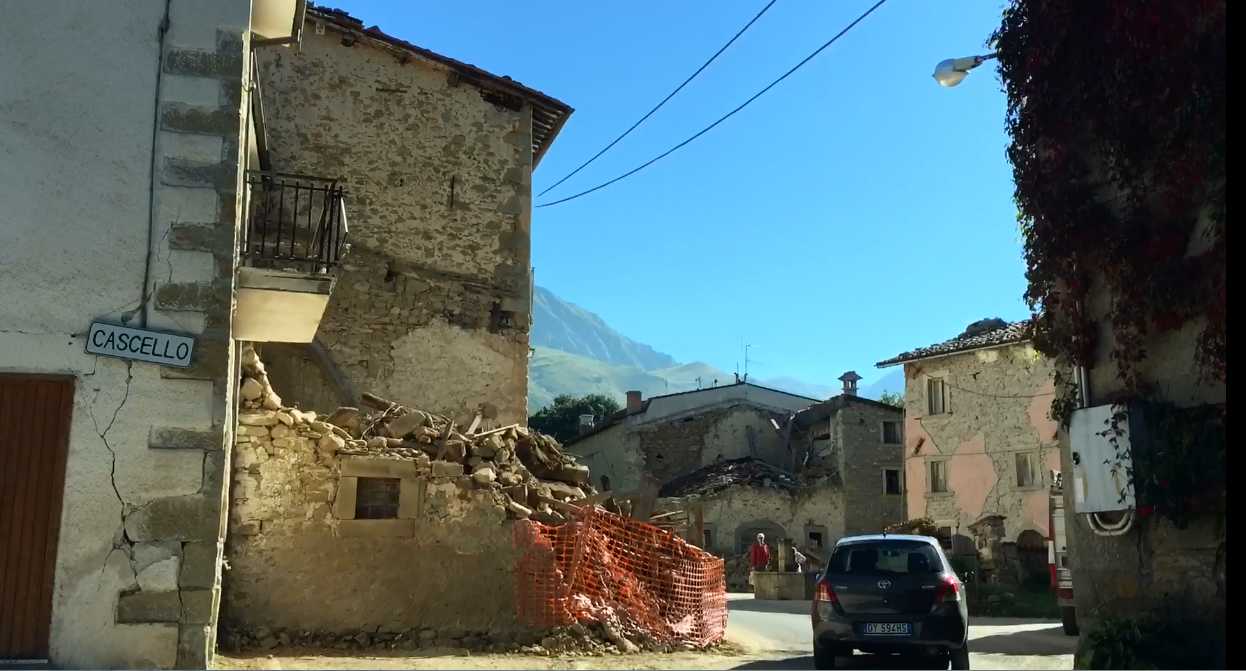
x,y
758,556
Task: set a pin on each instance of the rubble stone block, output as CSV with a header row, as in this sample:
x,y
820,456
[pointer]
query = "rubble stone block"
x,y
372,467
446,469
168,438
484,475
410,498
405,424
160,576
194,649
256,431
197,606
263,418
330,444
394,528
148,607
192,517
344,503
251,389
280,431
198,565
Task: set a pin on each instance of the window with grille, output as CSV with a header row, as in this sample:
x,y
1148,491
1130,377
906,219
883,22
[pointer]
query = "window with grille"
x,y
938,476
891,481
1025,469
936,394
945,537
376,498
891,433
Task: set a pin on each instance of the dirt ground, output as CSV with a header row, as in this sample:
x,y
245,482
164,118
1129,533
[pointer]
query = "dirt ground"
x,y
726,656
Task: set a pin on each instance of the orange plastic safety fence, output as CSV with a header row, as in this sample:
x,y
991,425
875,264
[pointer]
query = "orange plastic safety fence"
x,y
606,567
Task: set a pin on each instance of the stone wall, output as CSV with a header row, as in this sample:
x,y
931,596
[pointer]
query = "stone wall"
x,y
1155,565
998,403
86,223
302,564
863,458
432,306
682,443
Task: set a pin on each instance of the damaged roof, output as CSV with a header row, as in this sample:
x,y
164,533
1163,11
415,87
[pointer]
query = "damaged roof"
x,y
548,113
822,411
1004,335
730,473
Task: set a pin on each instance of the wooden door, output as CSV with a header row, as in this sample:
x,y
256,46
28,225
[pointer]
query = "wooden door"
x,y
34,440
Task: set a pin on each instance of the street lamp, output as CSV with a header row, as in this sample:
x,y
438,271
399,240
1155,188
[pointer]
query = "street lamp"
x,y
950,72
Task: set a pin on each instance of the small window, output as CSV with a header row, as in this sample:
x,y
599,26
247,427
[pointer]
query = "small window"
x,y
1025,469
945,537
936,394
707,539
891,481
605,483
891,433
938,476
376,499
815,539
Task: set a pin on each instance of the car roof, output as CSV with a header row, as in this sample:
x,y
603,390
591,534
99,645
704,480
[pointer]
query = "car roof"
x,y
873,538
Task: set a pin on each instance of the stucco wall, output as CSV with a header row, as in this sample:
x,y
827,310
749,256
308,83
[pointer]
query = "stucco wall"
x,y
998,402
300,563
433,304
136,572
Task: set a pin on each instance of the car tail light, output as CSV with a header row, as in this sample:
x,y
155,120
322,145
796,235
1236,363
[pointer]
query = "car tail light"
x,y
948,590
825,593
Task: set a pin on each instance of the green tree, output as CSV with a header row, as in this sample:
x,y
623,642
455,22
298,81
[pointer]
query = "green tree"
x,y
561,419
892,398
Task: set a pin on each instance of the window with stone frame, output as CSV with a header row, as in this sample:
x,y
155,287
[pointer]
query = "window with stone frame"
x,y
936,396
377,498
1025,469
891,432
938,476
891,481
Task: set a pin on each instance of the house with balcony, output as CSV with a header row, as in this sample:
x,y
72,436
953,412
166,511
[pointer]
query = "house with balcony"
x,y
432,306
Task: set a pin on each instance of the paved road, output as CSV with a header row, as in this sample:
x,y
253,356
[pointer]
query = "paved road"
x,y
777,636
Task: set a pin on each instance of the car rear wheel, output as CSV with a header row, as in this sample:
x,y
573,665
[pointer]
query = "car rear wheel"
x,y
824,656
960,657
1068,617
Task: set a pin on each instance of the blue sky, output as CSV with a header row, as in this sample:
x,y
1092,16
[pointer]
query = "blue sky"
x,y
855,211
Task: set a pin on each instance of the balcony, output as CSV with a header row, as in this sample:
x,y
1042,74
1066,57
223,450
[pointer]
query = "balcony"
x,y
292,243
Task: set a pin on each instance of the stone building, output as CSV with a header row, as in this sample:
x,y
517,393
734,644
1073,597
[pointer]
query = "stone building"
x,y
979,439
652,441
742,459
123,221
433,304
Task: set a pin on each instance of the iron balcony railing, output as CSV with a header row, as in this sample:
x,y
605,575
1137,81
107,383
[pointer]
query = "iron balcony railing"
x,y
294,222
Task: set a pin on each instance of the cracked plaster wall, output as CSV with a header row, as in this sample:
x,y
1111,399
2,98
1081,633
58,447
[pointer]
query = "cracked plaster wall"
x,y
432,306
144,441
998,402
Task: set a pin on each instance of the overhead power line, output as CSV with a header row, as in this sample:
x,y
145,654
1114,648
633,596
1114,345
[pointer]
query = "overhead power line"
x,y
659,105
721,119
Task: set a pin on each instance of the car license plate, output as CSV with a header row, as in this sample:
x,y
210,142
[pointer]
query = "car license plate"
x,y
888,629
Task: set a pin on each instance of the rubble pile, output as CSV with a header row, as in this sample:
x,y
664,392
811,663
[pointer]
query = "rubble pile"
x,y
532,476
728,473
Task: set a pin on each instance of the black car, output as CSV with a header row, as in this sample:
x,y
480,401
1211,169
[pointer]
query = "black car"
x,y
889,594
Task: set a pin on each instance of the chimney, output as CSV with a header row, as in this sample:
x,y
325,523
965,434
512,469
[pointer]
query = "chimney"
x,y
850,382
586,423
633,402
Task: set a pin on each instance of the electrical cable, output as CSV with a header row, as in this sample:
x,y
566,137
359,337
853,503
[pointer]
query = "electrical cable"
x,y
659,105
721,119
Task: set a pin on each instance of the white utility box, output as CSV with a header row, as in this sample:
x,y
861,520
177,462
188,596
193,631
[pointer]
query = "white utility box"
x,y
1101,469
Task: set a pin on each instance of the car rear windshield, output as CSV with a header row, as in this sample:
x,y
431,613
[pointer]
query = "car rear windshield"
x,y
885,558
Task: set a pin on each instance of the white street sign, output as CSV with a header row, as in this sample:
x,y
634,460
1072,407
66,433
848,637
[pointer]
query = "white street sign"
x,y
166,349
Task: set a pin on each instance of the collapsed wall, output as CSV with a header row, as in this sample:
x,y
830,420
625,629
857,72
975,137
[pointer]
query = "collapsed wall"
x,y
385,526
